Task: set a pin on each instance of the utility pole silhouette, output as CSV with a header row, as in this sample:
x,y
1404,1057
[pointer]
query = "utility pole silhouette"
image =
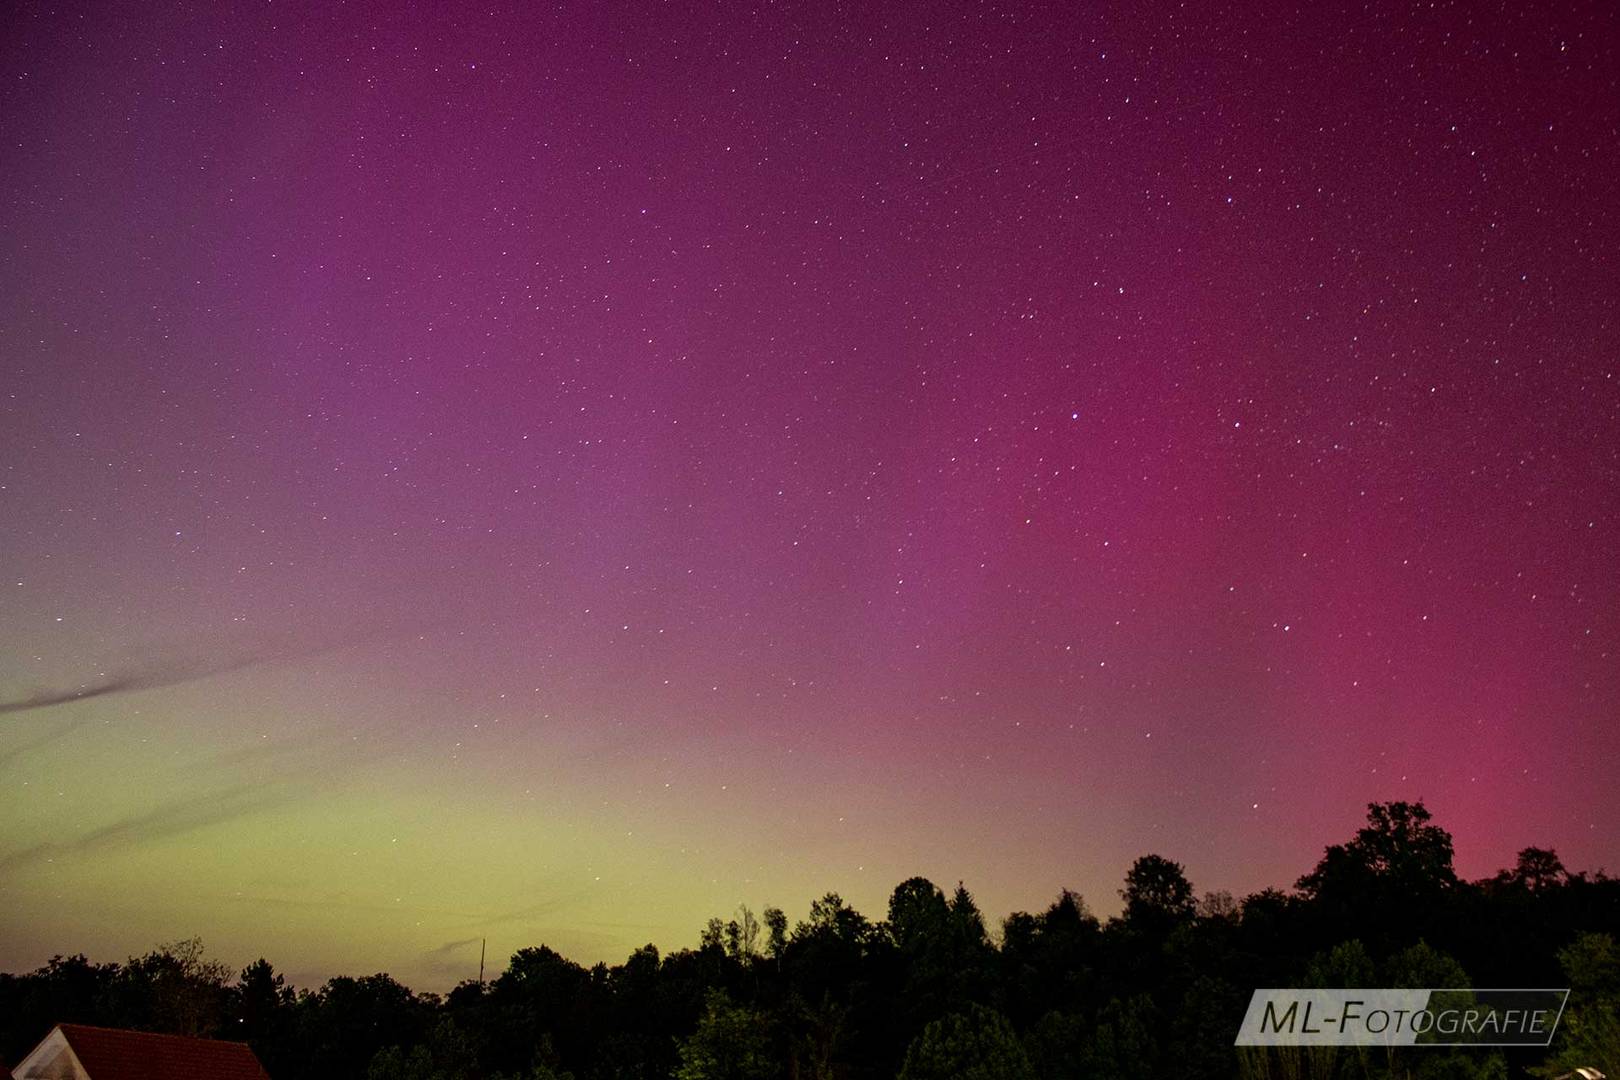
x,y
484,944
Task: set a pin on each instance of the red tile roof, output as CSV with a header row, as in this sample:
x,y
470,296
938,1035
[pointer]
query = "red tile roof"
x,y
111,1054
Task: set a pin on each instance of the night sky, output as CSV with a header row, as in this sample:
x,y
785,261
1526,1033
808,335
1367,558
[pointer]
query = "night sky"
x,y
555,475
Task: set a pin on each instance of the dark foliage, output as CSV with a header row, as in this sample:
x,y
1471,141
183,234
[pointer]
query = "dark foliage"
x,y
1158,990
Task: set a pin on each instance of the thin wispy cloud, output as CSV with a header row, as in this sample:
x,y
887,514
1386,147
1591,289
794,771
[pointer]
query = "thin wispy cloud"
x,y
450,947
174,818
61,731
198,663
150,677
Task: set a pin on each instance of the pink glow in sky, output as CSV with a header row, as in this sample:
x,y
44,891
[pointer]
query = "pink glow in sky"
x,y
554,475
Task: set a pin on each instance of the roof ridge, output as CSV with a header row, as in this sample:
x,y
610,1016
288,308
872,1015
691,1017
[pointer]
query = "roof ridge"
x,y
150,1034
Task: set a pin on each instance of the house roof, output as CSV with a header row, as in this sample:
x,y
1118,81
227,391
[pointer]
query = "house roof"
x,y
112,1054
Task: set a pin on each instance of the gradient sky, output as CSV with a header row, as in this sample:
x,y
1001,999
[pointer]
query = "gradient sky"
x,y
555,475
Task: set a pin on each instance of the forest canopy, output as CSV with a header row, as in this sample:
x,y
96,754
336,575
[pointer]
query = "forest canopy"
x,y
930,989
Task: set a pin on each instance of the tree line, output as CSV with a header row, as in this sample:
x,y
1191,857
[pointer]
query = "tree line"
x,y
931,991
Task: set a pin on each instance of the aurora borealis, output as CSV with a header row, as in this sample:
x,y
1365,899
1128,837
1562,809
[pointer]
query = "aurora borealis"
x,y
555,475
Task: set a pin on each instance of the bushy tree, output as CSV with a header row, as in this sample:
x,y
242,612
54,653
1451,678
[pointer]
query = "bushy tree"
x,y
976,1044
343,1025
1126,1044
1589,1035
917,913
176,988
1398,851
731,1043
1536,870
1156,893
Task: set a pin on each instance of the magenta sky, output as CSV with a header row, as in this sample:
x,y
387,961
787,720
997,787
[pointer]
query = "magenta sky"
x,y
558,475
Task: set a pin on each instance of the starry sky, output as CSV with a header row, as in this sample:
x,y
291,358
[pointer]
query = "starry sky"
x,y
554,475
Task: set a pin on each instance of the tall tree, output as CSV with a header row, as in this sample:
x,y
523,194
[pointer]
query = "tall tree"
x,y
1399,850
263,1007
1537,869
776,925
1156,893
184,991
917,913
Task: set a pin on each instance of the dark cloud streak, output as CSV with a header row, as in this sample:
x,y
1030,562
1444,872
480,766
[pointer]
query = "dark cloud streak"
x,y
174,818
14,752
157,674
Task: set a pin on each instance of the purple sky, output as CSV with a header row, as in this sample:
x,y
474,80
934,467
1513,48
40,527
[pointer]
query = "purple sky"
x,y
556,475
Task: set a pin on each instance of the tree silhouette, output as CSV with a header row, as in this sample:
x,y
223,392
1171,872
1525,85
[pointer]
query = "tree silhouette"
x,y
177,988
776,926
1157,893
917,913
1398,851
1157,990
1390,883
1536,869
